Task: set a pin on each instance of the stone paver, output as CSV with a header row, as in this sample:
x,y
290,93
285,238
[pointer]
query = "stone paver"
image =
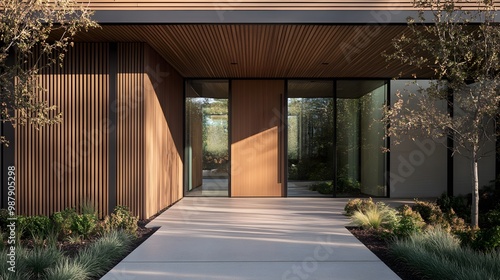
x,y
252,238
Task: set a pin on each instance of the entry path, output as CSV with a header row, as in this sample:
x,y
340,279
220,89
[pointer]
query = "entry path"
x,y
252,238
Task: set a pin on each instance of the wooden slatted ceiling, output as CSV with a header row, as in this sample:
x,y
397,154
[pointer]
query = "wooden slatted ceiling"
x,y
252,5
66,165
266,51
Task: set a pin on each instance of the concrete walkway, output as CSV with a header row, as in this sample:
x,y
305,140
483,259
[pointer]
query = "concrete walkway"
x,y
252,238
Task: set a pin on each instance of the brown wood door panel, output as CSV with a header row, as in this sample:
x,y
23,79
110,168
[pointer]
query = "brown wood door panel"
x,y
256,152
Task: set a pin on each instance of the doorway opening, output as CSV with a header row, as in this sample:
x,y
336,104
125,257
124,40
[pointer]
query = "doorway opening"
x,y
207,138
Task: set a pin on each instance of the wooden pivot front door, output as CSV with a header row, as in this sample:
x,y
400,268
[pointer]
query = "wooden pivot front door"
x,y
257,138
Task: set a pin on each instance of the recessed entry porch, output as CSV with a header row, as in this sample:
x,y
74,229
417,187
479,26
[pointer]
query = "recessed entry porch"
x,y
285,137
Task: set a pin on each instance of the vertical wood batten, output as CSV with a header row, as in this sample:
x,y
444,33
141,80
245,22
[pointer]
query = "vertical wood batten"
x,y
59,164
129,148
112,155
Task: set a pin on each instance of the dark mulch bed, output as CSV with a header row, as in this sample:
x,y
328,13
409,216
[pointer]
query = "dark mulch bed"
x,y
380,248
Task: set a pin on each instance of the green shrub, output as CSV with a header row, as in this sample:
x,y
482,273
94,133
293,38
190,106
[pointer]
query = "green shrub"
x,y
431,213
4,215
357,204
37,227
438,255
376,217
467,237
62,222
487,239
456,224
457,204
410,222
489,197
84,224
121,219
491,219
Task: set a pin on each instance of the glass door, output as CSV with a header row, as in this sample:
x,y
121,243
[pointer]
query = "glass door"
x,y
310,138
207,138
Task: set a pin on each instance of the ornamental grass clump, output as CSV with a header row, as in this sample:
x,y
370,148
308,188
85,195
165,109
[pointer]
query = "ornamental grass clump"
x,y
377,216
100,255
437,254
357,204
50,263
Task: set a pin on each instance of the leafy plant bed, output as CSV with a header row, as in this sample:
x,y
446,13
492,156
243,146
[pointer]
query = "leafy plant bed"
x,y
380,248
69,259
69,245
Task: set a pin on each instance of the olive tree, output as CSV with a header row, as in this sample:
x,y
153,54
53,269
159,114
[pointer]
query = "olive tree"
x,y
34,34
458,42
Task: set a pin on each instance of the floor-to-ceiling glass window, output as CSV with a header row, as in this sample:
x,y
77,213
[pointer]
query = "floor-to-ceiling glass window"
x,y
360,138
310,138
207,142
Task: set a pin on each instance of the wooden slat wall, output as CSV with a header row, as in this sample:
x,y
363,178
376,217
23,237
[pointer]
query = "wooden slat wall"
x,y
130,130
252,5
255,124
65,165
163,133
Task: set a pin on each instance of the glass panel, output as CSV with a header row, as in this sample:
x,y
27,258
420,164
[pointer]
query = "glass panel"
x,y
310,138
372,142
207,134
348,152
360,160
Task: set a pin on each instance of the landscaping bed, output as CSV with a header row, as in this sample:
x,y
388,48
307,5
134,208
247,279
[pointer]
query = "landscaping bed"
x,y
380,247
432,239
69,244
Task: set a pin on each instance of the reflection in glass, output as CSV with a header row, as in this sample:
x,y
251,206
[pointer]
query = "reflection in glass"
x,y
310,138
207,134
360,160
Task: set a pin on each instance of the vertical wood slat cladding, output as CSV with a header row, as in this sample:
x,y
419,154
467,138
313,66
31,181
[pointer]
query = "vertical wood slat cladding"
x,y
63,165
163,133
66,165
255,125
149,130
129,129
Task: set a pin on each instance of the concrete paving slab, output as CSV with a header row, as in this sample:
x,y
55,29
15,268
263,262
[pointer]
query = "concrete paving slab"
x,y
252,238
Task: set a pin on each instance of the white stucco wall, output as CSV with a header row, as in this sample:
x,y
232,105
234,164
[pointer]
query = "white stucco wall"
x,y
417,168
